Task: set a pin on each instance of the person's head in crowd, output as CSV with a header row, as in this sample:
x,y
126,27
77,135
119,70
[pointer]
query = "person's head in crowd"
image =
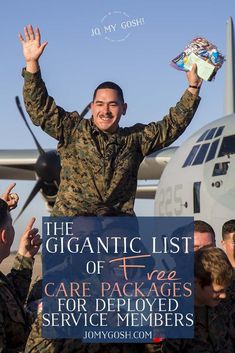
x,y
7,232
108,106
204,235
228,240
30,240
213,274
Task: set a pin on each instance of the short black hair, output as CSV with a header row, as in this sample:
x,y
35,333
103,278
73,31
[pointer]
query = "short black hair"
x,y
110,85
3,212
228,227
203,227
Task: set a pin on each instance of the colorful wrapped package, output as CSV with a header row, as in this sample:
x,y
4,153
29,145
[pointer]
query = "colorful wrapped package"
x,y
205,54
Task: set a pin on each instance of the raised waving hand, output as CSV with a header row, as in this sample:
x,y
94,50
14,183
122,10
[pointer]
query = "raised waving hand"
x,y
32,47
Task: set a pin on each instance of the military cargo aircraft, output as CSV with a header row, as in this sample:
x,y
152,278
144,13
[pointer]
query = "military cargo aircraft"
x,y
196,179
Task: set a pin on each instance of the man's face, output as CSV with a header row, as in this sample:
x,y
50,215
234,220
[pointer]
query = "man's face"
x,y
209,295
9,236
107,110
202,239
229,247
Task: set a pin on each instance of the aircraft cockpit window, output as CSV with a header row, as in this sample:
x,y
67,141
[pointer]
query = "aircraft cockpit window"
x,y
212,151
191,155
227,146
201,138
210,134
201,154
219,131
220,168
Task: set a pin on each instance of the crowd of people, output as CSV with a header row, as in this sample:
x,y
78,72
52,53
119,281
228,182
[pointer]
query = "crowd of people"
x,y
99,166
214,311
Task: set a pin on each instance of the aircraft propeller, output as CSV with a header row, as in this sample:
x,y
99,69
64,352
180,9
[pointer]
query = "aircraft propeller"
x,y
47,168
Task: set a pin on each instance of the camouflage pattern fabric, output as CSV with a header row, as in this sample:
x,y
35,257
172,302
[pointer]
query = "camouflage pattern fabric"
x,y
231,309
34,299
35,292
153,347
226,310
37,344
14,323
211,334
99,170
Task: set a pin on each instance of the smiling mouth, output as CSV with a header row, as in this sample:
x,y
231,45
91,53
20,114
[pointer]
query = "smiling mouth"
x,y
106,117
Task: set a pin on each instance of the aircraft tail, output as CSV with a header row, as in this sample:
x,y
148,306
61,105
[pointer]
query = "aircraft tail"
x,y
229,99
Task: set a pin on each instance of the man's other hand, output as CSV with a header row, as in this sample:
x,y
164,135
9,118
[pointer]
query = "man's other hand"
x,y
32,47
10,198
30,241
194,80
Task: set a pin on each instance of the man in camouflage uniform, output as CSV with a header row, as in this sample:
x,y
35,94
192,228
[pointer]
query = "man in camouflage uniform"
x,y
99,160
14,324
228,243
228,240
204,235
213,274
36,343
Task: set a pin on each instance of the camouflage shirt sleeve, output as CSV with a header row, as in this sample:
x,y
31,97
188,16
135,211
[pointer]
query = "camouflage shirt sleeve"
x,y
2,332
43,110
157,135
20,276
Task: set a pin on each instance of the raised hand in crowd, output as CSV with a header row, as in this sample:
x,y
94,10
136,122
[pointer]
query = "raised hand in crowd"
x,y
30,241
10,198
32,47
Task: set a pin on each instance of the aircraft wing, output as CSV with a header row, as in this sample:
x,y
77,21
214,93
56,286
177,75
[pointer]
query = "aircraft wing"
x,y
151,169
153,165
18,164
146,191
